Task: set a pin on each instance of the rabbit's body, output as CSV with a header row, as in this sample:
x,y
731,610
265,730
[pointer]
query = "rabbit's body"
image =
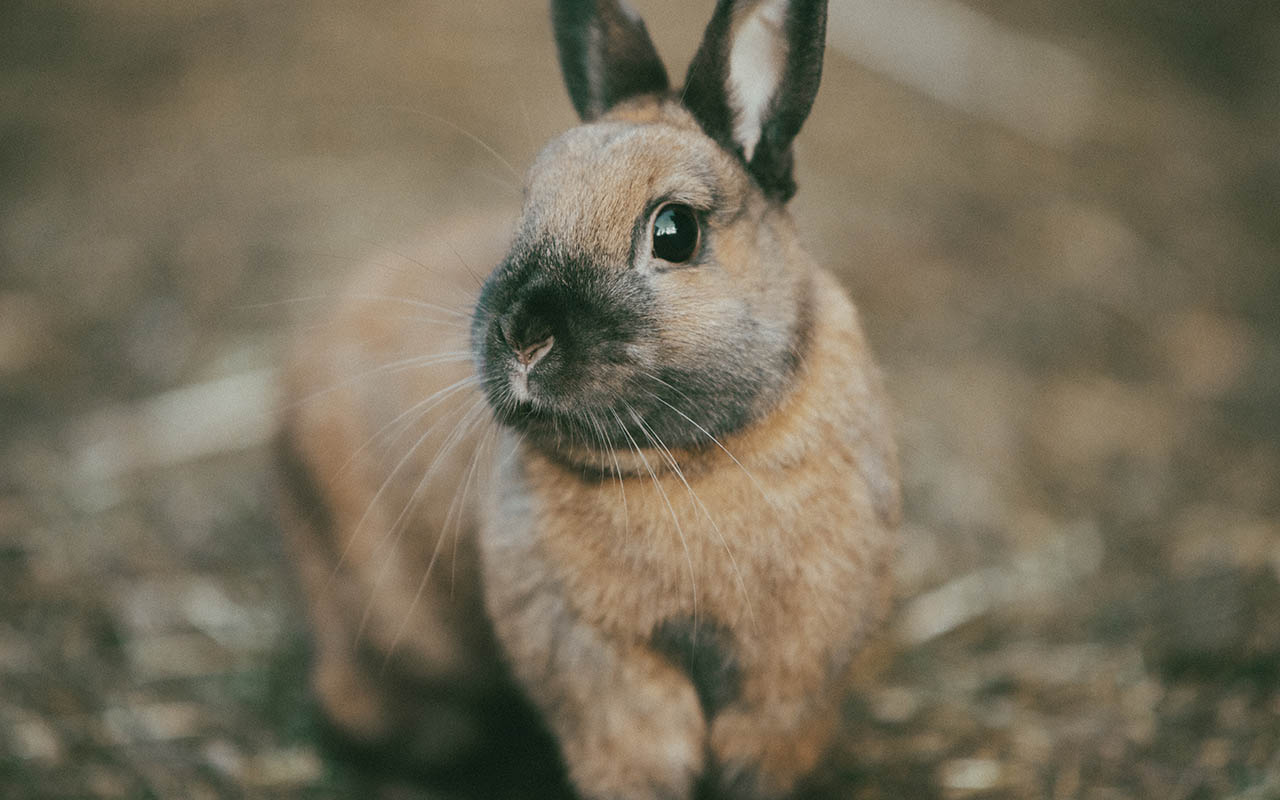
x,y
687,530
717,604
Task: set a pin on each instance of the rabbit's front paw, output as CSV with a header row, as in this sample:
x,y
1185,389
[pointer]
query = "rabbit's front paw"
x,y
645,747
762,757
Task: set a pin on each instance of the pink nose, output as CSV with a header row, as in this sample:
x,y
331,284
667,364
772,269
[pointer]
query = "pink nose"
x,y
528,356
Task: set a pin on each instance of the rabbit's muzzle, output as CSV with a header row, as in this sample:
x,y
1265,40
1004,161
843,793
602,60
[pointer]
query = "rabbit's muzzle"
x,y
556,343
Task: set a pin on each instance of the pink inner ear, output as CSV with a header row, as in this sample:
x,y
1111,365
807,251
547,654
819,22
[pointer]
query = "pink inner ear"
x,y
756,62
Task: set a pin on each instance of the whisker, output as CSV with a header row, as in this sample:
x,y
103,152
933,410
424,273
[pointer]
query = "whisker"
x,y
426,575
288,301
453,357
433,271
398,527
465,315
652,435
459,129
461,260
486,447
462,314
355,532
422,406
759,488
454,333
617,467
693,581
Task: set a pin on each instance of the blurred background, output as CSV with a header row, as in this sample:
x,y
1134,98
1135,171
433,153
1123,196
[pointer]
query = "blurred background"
x,y
1060,220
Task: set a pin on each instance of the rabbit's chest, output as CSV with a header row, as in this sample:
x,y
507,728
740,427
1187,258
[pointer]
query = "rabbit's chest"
x,y
633,555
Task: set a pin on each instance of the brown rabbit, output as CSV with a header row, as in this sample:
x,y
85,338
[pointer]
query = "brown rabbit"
x,y
679,531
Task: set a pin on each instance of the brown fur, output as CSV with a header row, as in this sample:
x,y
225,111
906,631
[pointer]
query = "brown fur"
x,y
673,612
788,546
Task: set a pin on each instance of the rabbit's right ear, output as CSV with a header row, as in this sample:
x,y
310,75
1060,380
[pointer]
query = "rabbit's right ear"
x,y
605,54
752,82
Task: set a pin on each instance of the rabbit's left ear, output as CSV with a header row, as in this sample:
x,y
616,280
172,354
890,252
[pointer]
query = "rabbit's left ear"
x,y
753,80
605,54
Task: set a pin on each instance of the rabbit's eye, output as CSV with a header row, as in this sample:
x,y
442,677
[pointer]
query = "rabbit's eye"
x,y
675,233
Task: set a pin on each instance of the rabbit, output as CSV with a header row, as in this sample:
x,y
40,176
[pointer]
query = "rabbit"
x,y
656,489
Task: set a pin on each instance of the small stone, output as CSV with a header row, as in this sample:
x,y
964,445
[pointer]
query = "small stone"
x,y
16,654
1106,793
1066,782
226,758
168,721
106,783
1208,536
1032,742
1215,753
1233,712
178,656
1206,353
152,722
279,769
35,740
927,745
895,705
971,774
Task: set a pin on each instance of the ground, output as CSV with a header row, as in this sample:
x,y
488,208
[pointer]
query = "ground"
x,y
1060,221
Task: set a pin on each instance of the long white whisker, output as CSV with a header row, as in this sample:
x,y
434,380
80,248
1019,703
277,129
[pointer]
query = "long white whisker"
x,y
485,447
652,435
617,467
693,580
443,534
415,362
315,298
763,494
445,329
465,315
459,129
397,528
461,260
420,408
373,502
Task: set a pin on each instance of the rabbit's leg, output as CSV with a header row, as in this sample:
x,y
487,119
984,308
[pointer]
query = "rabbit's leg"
x,y
628,723
765,744
350,701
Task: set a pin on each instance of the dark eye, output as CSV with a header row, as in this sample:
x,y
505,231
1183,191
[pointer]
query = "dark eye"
x,y
675,233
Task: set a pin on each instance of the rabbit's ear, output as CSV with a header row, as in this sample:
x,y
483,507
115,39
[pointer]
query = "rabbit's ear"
x,y
752,82
605,54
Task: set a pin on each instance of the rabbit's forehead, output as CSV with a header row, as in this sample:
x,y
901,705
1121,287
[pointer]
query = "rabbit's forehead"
x,y
590,186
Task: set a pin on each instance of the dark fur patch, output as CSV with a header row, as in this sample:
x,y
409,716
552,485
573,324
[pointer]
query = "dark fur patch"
x,y
705,91
606,55
592,312
704,651
591,388
802,333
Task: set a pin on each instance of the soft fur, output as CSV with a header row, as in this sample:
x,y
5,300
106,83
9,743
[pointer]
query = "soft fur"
x,y
687,532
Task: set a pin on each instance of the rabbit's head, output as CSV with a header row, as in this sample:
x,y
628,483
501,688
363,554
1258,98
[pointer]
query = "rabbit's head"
x,y
655,289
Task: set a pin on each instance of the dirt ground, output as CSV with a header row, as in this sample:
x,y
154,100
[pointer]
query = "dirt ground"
x,y
1070,271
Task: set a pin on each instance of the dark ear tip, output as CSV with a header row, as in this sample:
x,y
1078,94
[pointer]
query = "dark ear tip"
x,y
605,53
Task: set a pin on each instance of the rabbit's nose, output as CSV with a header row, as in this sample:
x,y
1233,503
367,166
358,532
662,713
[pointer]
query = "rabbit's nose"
x,y
530,341
532,354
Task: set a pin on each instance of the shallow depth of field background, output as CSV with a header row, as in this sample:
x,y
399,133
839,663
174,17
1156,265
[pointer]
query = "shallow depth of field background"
x,y
1060,220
